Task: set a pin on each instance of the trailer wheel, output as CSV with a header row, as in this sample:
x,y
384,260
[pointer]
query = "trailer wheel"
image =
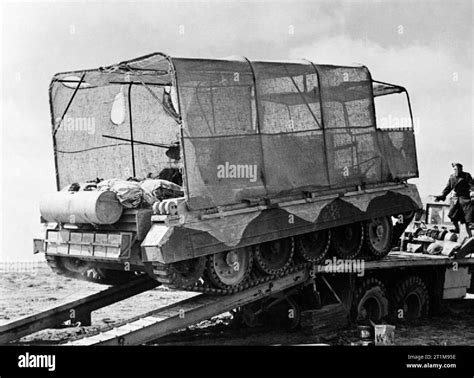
x,y
347,240
378,236
247,315
285,313
410,298
370,301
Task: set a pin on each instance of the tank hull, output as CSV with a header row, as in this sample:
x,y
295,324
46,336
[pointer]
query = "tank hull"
x,y
192,237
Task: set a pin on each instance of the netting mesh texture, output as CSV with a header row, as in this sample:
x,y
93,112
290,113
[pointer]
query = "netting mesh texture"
x,y
87,144
296,126
249,130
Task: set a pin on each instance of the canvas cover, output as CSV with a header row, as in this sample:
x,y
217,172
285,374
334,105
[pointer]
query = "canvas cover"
x,y
246,130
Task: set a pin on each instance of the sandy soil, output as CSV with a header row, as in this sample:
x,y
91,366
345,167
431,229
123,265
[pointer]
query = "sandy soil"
x,y
26,293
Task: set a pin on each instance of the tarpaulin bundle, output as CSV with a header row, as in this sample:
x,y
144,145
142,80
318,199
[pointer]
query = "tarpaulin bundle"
x,y
157,190
129,193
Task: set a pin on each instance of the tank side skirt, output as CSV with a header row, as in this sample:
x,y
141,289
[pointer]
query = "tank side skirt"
x,y
270,225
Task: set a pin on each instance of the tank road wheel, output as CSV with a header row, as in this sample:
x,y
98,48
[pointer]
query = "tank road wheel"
x,y
275,256
348,240
378,236
56,263
313,247
229,269
370,301
75,265
180,274
410,299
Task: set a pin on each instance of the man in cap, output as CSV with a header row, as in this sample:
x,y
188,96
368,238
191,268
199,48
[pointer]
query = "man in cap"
x,y
461,209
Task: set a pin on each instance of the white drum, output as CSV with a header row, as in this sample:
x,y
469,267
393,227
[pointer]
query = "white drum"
x,y
94,207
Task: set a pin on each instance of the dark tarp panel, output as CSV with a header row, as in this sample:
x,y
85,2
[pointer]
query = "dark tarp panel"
x,y
348,115
399,153
222,148
290,124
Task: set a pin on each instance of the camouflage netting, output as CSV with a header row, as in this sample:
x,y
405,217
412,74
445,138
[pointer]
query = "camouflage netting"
x,y
86,147
249,129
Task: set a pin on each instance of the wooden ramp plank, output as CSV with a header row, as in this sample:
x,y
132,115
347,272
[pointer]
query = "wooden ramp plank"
x,y
198,308
54,315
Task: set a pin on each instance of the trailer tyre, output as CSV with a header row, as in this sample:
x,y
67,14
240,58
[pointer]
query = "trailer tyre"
x,y
410,299
284,314
370,301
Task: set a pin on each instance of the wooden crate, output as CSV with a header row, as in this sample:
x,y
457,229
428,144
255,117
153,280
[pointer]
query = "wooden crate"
x,y
324,321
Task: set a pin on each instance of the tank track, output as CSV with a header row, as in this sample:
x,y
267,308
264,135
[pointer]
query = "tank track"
x,y
166,275
94,275
256,278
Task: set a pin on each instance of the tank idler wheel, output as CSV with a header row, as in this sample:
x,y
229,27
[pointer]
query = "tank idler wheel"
x,y
180,274
275,256
348,240
229,269
313,247
378,236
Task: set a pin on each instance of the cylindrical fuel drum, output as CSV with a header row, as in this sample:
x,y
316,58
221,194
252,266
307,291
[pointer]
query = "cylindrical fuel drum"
x,y
94,207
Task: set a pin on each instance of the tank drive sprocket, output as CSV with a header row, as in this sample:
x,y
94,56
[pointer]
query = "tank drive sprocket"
x,y
180,274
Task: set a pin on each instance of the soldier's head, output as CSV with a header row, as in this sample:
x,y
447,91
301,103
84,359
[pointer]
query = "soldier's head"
x,y
457,167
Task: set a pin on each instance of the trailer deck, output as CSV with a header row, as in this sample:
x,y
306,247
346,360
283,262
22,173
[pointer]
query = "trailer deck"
x,y
168,319
408,259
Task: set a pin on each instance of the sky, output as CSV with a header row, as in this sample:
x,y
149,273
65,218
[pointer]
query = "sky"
x,y
426,46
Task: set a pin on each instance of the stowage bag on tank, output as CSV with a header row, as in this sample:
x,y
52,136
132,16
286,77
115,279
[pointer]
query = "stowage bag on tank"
x,y
93,207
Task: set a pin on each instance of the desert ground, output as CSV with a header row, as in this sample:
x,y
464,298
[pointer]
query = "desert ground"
x,y
24,293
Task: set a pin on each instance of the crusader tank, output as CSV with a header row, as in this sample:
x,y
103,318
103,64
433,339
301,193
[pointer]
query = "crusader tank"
x,y
276,164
